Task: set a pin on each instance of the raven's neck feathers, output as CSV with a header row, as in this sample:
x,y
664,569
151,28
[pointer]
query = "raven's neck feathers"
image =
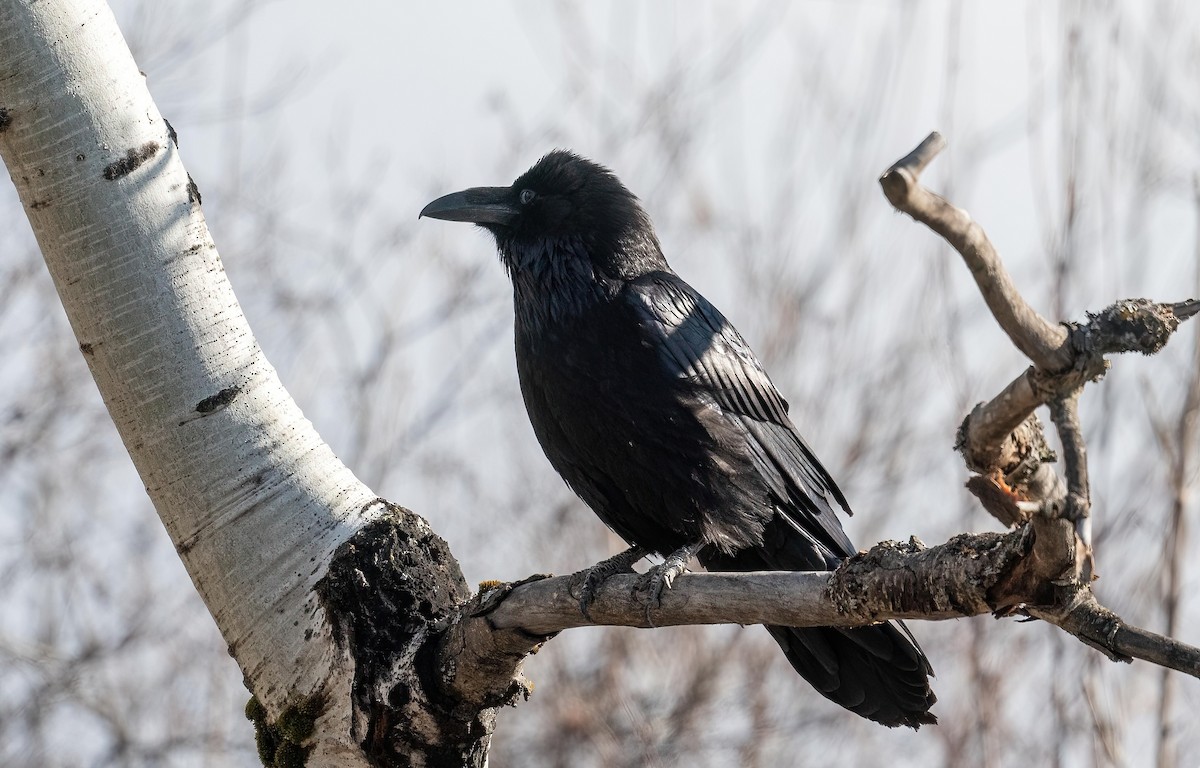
x,y
557,278
631,251
554,282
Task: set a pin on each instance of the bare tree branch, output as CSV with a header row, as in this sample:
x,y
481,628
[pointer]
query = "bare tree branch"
x,y
1103,630
1001,439
1040,340
1064,412
1013,465
970,575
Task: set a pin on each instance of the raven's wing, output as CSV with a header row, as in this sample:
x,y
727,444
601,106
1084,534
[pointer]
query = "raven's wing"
x,y
701,347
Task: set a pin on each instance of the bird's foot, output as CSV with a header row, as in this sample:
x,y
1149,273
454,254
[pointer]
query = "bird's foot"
x,y
588,580
661,576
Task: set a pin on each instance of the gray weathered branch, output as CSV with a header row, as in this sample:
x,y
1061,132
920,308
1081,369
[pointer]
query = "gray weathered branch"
x,y
1001,439
1040,340
970,575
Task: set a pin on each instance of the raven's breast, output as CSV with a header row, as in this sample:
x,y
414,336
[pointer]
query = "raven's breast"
x,y
655,460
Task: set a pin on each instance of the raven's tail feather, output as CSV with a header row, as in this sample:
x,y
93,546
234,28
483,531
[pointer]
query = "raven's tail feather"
x,y
878,672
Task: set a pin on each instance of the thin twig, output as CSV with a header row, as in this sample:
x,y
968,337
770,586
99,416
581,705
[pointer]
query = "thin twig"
x,y
1064,412
1102,629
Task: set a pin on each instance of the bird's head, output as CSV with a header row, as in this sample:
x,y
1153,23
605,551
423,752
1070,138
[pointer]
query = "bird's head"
x,y
565,206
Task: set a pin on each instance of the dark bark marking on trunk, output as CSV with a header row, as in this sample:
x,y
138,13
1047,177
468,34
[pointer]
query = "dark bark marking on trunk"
x,y
389,592
131,161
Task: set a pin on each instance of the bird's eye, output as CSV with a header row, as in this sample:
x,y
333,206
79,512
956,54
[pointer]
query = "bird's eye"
x,y
527,196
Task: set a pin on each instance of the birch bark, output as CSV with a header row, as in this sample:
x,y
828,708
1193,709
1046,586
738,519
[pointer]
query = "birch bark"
x,y
253,500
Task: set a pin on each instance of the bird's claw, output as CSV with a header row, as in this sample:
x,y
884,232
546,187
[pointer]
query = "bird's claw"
x,y
588,580
660,577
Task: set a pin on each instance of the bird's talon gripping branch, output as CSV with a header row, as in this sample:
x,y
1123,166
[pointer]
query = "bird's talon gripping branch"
x,y
662,576
588,580
658,579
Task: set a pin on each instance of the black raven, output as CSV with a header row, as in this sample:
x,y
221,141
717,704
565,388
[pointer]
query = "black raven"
x,y
654,410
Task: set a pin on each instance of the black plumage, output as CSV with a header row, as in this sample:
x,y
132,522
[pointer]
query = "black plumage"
x,y
658,415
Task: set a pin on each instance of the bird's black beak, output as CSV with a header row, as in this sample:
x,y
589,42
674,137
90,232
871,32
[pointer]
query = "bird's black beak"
x,y
479,205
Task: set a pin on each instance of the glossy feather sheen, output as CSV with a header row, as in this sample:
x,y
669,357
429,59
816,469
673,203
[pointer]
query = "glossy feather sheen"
x,y
656,412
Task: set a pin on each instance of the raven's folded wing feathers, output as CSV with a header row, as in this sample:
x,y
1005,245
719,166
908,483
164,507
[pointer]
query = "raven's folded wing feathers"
x,y
704,349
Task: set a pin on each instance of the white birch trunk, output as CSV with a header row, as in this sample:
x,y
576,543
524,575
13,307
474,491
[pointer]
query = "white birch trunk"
x,y
253,500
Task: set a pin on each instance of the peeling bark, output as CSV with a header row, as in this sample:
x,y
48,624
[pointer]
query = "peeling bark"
x,y
388,589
